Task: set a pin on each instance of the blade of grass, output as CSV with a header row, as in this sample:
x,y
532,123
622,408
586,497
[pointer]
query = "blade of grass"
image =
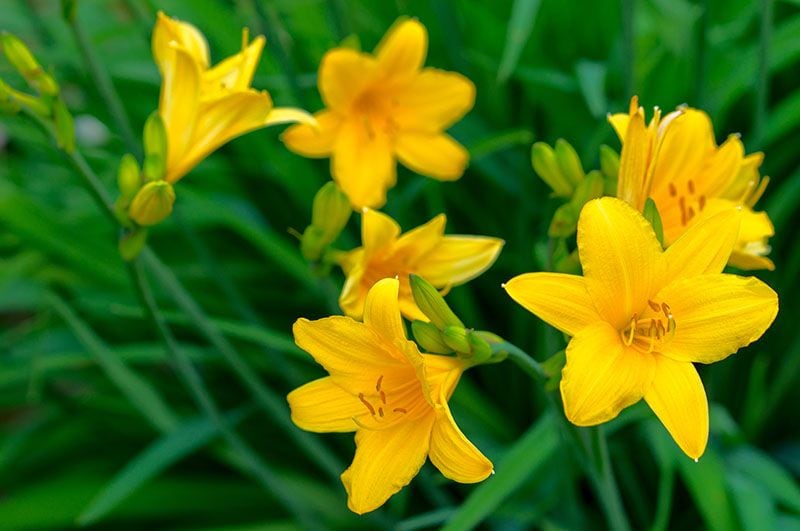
x,y
520,25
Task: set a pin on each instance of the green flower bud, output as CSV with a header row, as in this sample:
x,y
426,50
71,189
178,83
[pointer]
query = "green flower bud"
x,y
429,338
25,63
129,179
65,126
609,166
432,304
155,147
456,337
564,222
569,162
546,167
8,104
481,350
590,188
312,243
132,243
153,203
651,214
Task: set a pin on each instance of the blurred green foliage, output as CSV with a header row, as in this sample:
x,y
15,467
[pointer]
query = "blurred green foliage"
x,y
96,429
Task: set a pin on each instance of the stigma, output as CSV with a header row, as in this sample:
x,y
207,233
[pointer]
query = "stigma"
x,y
650,332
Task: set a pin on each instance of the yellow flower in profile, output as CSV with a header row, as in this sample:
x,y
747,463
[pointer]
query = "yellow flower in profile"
x,y
677,162
444,261
384,107
393,397
204,107
639,317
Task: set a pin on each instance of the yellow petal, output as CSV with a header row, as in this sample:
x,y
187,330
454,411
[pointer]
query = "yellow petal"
x,y
442,375
619,122
363,164
453,454
721,168
750,261
289,115
633,163
559,300
236,72
716,315
312,141
434,100
403,49
752,243
677,397
621,258
419,241
409,308
178,105
433,155
218,122
458,259
381,311
385,462
169,30
705,247
323,406
602,376
343,75
377,230
354,293
688,141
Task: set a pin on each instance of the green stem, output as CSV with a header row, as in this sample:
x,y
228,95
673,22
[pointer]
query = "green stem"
x,y
253,464
105,87
607,489
664,505
522,359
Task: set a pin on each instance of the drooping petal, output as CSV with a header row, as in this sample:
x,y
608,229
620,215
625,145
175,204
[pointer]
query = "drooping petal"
x,y
558,299
434,101
453,454
377,230
677,397
621,258
716,315
602,376
419,241
343,75
289,115
363,164
752,244
323,406
218,122
178,105
381,311
458,259
312,141
402,50
385,462
432,155
705,247
169,30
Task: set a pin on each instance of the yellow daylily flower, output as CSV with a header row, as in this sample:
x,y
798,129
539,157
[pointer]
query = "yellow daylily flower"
x,y
204,107
382,107
444,261
639,316
677,162
391,395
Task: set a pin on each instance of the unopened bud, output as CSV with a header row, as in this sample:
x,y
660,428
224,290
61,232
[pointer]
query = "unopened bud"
x,y
25,63
651,215
132,243
569,162
546,167
153,203
609,166
481,350
8,104
429,338
590,188
65,126
129,179
564,222
432,304
330,211
456,337
155,148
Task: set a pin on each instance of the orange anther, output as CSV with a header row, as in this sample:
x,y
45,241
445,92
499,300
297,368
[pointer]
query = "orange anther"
x,y
378,384
366,403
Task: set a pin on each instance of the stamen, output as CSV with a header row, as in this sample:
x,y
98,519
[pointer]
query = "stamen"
x,y
690,184
682,203
629,339
366,403
672,190
654,305
666,310
702,202
690,213
383,397
400,410
378,384
661,330
380,411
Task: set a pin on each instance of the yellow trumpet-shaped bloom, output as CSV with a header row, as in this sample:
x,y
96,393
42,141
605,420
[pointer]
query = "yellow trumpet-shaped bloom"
x,y
677,162
383,107
444,261
393,397
204,107
639,316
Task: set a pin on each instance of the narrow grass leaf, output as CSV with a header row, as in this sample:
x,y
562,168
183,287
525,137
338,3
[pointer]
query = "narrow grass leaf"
x,y
520,25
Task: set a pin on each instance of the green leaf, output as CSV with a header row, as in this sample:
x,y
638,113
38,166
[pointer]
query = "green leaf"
x,y
592,82
755,507
761,469
520,25
707,485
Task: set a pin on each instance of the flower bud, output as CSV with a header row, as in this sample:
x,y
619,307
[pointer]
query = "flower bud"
x,y
25,63
65,126
8,104
132,243
609,166
429,338
564,222
432,304
651,215
481,350
153,203
590,188
331,211
129,179
456,337
155,147
546,167
569,162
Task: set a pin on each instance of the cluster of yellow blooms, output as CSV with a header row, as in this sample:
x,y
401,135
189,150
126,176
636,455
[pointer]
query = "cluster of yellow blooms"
x,y
652,299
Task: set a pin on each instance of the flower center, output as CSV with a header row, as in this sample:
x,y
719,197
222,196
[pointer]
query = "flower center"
x,y
375,110
652,331
378,402
690,203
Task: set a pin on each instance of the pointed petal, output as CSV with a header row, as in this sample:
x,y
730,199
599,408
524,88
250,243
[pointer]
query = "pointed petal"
x,y
219,121
381,311
619,122
752,244
602,377
722,168
443,374
312,141
235,73
363,164
677,397
377,230
385,462
343,75
402,50
633,163
170,30
323,406
453,454
559,300
621,258
434,101
408,307
289,115
354,294
705,247
419,241
688,142
458,259
178,105
716,315
432,155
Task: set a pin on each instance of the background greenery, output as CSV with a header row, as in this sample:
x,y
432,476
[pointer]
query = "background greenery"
x,y
97,430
